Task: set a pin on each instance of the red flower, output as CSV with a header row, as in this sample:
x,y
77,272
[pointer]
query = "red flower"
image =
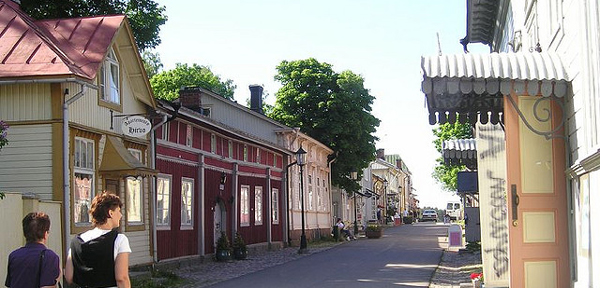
x,y
476,276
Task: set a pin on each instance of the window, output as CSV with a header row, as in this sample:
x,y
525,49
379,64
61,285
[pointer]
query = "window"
x,y
213,143
244,206
109,79
165,132
257,155
274,160
205,111
310,198
84,180
137,154
163,201
310,193
230,148
275,206
189,136
258,207
187,197
134,201
245,153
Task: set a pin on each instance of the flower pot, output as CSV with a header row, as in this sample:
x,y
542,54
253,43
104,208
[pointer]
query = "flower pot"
x,y
240,254
223,255
477,283
374,233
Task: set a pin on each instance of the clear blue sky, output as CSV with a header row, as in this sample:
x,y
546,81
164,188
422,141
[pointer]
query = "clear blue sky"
x,y
382,40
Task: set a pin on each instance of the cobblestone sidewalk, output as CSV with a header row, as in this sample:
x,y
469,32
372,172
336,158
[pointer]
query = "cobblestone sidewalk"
x,y
455,268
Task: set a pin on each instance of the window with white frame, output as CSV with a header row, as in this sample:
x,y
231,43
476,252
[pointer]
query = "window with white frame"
x,y
310,193
187,198
230,148
133,202
84,180
258,205
137,154
274,160
245,153
213,143
244,205
109,78
165,132
257,155
189,136
319,198
275,206
163,201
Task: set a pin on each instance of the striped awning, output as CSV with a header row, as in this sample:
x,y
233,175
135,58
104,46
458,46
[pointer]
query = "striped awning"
x,y
460,152
472,85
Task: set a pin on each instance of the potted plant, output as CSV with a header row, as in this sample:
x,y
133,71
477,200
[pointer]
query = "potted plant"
x,y
223,250
373,230
240,251
477,279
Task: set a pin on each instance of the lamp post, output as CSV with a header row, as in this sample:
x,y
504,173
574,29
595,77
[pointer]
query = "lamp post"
x,y
301,161
354,176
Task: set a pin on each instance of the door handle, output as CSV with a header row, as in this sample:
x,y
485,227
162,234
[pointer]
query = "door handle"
x,y
515,205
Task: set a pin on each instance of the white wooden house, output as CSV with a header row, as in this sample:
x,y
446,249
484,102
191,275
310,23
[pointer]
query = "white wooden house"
x,y
539,172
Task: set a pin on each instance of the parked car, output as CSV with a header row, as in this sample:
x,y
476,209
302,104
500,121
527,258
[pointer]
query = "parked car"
x,y
429,215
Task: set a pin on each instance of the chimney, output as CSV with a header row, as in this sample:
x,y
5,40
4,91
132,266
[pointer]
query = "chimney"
x,y
190,98
398,163
381,153
256,93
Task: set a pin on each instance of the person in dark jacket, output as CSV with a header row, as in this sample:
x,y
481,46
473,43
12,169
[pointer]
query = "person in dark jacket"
x,y
34,265
100,257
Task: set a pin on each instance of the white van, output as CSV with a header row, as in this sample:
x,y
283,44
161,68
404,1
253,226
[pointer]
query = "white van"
x,y
454,210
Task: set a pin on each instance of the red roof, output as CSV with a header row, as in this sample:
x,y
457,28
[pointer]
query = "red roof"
x,y
59,47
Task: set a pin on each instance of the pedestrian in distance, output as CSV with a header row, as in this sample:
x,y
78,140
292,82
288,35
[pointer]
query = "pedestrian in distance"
x,y
343,228
34,265
100,257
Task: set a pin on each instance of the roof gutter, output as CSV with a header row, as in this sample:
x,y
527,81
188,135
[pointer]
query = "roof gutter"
x,y
45,81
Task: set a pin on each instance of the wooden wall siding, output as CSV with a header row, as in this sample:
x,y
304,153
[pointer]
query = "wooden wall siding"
x,y
205,140
242,119
87,112
175,242
197,138
182,133
212,195
27,160
23,102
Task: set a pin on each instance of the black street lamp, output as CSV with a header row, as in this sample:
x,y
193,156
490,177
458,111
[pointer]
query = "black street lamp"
x,y
354,176
301,161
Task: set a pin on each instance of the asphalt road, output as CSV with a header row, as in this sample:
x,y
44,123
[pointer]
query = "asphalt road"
x,y
406,256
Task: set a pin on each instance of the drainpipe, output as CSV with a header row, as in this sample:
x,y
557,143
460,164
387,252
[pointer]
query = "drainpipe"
x,y
153,185
330,198
66,174
287,201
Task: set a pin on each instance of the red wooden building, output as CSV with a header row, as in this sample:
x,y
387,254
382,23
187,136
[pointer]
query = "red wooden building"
x,y
214,178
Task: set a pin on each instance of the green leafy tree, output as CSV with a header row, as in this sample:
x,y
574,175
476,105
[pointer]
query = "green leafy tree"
x,y
152,63
166,84
333,108
443,173
145,16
